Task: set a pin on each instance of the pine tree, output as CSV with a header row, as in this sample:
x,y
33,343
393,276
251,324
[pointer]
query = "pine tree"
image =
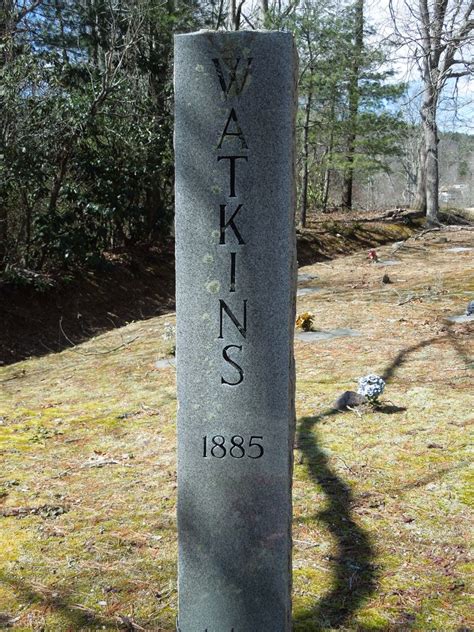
x,y
370,127
347,124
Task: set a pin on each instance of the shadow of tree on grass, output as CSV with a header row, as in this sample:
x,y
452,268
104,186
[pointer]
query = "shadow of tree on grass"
x,y
355,575
75,616
48,599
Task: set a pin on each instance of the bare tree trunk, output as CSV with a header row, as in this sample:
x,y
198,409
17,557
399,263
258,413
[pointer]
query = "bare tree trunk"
x,y
440,29
220,15
265,15
420,196
430,131
329,150
327,183
353,105
27,225
58,181
235,12
347,183
304,184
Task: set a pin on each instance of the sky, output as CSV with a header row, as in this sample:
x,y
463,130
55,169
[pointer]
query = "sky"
x,y
454,114
450,118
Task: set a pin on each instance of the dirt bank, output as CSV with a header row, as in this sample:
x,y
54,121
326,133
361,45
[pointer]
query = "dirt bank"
x,y
139,285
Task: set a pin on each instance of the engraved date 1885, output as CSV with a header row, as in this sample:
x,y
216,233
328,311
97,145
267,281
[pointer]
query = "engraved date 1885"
x,y
236,447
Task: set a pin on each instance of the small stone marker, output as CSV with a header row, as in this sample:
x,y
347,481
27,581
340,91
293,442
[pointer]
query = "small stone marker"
x,y
348,399
306,277
235,285
304,291
463,318
328,334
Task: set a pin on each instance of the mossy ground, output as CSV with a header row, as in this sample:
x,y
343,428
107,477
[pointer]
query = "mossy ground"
x,y
382,501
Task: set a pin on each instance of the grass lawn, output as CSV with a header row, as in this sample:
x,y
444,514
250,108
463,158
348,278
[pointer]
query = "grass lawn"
x,y
382,499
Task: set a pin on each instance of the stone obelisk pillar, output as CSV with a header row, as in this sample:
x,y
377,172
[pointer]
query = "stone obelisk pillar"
x,y
235,285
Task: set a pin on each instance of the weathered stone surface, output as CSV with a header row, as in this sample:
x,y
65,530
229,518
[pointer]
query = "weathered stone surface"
x,y
236,278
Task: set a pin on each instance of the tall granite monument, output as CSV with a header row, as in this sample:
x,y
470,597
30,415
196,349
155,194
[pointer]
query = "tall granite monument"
x,y
235,283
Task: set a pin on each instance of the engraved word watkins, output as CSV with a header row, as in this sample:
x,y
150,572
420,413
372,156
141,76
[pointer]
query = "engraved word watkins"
x,y
232,153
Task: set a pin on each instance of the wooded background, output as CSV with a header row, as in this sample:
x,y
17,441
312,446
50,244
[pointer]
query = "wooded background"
x,y
87,116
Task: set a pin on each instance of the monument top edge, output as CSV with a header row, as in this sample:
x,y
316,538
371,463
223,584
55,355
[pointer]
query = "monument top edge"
x,y
207,32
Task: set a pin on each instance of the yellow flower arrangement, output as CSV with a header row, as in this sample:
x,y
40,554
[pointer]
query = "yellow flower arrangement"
x,y
305,321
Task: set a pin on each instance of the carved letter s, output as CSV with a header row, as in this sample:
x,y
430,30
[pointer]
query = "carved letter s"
x,y
226,357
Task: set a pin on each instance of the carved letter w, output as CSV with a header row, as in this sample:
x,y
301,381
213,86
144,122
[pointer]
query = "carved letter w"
x,y
237,78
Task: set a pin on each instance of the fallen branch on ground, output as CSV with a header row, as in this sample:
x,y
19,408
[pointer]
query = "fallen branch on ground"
x,y
444,228
93,353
